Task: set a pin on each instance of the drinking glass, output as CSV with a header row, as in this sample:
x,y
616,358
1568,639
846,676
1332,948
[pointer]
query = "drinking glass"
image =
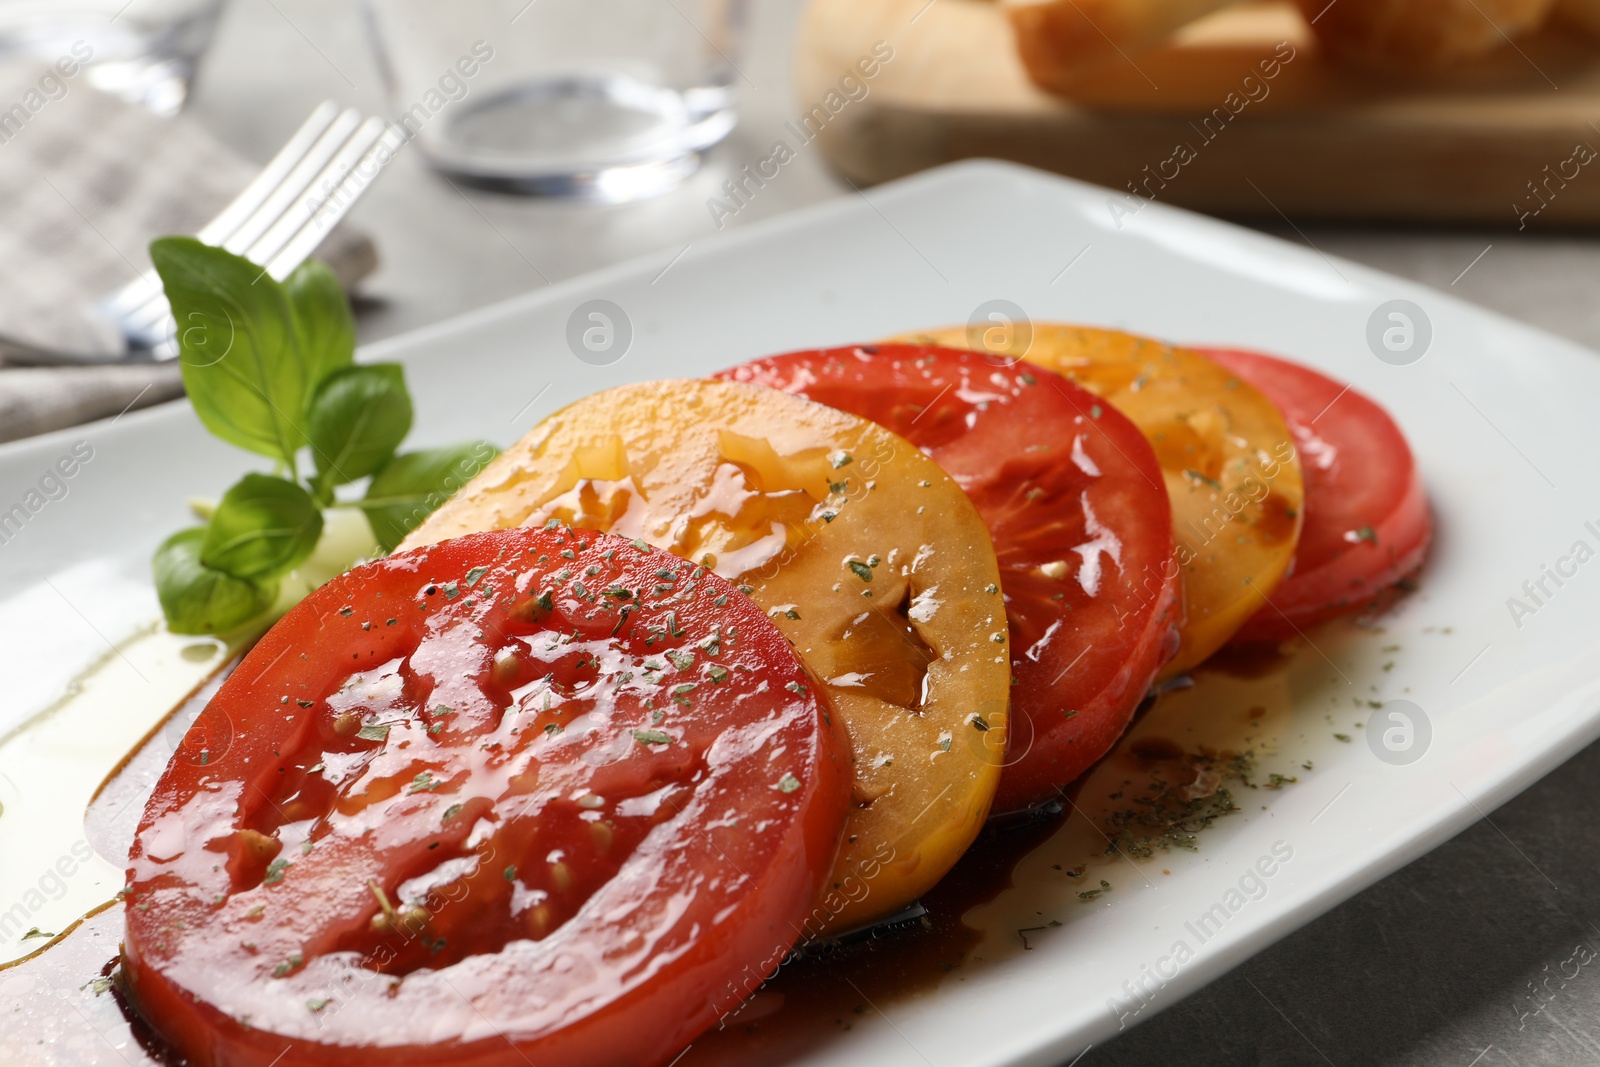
x,y
144,51
599,99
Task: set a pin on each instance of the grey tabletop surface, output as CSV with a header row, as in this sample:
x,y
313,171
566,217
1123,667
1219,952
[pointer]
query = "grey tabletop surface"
x,y
1480,953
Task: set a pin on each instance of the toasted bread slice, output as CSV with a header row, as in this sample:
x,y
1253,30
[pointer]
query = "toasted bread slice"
x,y
1061,41
1581,14
1400,33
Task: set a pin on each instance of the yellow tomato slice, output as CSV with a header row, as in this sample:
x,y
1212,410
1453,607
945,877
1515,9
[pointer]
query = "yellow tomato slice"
x,y
867,556
1230,463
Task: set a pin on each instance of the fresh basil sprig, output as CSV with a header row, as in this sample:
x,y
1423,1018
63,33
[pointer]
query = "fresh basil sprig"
x,y
269,367
242,362
411,487
358,418
323,323
199,600
262,528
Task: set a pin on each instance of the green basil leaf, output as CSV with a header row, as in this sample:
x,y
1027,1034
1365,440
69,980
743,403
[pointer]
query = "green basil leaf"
x,y
412,485
322,320
357,419
197,599
262,529
241,360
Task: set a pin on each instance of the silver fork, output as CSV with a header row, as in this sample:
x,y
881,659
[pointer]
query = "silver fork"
x,y
276,222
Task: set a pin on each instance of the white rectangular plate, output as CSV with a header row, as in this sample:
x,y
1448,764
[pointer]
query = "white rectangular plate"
x,y
1500,416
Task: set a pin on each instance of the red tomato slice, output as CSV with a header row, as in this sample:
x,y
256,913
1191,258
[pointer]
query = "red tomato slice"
x,y
1367,523
525,796
1080,518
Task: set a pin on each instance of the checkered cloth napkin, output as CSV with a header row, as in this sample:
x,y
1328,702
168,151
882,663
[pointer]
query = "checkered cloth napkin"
x,y
86,182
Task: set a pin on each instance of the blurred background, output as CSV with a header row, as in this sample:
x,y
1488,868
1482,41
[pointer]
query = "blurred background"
x,y
1457,161
1413,168
445,249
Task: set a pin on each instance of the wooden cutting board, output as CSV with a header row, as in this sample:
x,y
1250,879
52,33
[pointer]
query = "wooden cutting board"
x,y
1510,140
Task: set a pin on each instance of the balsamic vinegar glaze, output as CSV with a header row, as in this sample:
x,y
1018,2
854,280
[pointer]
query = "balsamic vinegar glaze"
x,y
1024,879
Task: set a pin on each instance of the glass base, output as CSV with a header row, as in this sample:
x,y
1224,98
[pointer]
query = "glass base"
x,y
592,135
605,185
145,64
161,85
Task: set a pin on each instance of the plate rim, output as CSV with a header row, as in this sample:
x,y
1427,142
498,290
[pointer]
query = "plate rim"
x,y
1489,789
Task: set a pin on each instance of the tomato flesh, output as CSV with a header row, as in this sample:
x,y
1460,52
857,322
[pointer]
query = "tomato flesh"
x,y
1229,461
865,553
1367,524
534,795
1082,529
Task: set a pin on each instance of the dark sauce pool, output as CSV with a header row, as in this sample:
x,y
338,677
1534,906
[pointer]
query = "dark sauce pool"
x,y
828,989
1175,772
63,1004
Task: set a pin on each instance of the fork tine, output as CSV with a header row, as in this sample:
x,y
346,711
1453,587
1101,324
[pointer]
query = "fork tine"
x,y
278,221
139,292
147,321
226,224
300,247
295,183
318,194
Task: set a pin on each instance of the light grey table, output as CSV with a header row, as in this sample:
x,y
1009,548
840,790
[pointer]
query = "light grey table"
x,y
1460,960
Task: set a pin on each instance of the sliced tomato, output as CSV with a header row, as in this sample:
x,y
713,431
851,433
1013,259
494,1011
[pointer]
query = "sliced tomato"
x,y
1228,459
532,796
866,554
1082,528
1367,523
